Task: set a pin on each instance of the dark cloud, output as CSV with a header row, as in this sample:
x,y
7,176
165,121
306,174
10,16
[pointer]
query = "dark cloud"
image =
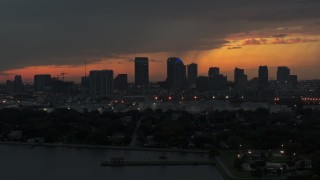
x,y
293,40
277,40
69,32
279,35
254,41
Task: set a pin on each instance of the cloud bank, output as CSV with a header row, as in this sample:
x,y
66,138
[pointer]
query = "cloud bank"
x,y
69,32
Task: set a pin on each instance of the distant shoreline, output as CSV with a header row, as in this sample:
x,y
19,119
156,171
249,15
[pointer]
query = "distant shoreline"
x,y
127,148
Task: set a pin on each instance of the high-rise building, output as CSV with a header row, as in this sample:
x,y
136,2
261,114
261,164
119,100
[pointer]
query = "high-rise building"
x,y
283,74
240,79
176,73
42,82
18,86
141,71
121,82
217,81
213,72
263,77
192,73
85,85
101,83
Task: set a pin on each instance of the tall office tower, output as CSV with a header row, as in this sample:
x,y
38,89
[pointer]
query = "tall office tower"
x,y
240,79
101,83
283,74
121,82
213,72
176,73
192,73
263,77
18,86
141,71
42,82
217,81
85,85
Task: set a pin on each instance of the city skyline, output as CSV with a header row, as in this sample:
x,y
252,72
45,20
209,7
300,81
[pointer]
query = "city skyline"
x,y
56,36
250,73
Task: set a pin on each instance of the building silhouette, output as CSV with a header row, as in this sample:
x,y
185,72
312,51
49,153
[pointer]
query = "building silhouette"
x,y
101,83
192,73
60,86
121,82
240,79
18,86
213,72
217,81
141,71
263,81
42,82
176,73
85,85
283,74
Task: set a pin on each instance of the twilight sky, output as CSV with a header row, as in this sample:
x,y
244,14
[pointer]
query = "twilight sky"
x,y
42,36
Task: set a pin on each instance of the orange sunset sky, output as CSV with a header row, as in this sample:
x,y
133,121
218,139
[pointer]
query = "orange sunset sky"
x,y
301,56
51,37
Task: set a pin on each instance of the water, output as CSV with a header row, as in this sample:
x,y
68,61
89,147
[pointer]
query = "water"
x,y
60,163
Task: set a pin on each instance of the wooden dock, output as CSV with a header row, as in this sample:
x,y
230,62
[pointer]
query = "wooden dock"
x,y
158,163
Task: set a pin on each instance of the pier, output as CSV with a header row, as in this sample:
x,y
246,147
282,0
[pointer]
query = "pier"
x,y
158,163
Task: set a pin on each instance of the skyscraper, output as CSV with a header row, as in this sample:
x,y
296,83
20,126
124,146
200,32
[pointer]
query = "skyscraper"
x,y
141,71
101,83
240,79
176,73
18,86
213,72
263,77
192,73
85,85
121,82
217,81
283,74
42,82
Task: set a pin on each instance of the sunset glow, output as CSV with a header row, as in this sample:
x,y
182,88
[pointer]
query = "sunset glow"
x,y
299,52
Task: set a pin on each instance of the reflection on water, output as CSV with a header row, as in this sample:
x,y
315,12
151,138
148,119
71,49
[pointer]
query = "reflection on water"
x,y
53,163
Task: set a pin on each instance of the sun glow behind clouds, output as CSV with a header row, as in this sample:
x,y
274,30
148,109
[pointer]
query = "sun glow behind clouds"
x,y
295,51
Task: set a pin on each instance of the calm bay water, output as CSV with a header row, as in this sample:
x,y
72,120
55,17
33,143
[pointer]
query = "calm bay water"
x,y
61,163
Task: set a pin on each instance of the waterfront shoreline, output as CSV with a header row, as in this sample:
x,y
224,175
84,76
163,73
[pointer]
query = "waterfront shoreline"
x,y
127,148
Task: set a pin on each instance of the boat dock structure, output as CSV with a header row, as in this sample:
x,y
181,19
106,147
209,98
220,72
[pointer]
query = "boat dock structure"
x,y
121,162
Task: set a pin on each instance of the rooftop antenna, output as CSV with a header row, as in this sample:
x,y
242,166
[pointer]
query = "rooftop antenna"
x,y
85,68
63,75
